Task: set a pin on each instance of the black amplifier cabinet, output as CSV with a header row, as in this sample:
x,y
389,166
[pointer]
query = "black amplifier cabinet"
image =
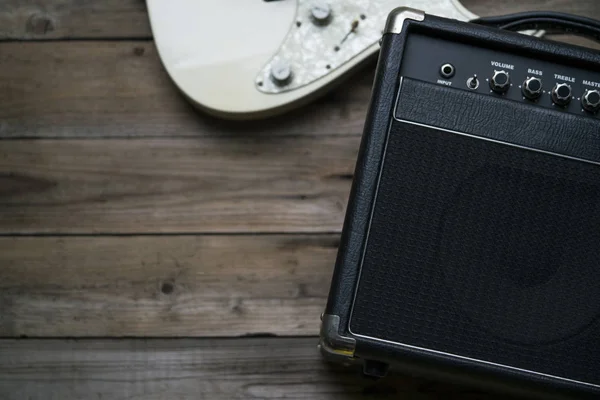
x,y
471,245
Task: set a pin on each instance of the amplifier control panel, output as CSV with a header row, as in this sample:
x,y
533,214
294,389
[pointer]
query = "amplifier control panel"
x,y
517,77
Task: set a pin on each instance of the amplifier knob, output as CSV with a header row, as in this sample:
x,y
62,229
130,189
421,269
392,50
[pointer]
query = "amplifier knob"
x,y
591,100
561,94
532,88
500,82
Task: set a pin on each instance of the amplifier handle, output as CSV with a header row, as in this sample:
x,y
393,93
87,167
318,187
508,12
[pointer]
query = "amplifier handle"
x,y
552,22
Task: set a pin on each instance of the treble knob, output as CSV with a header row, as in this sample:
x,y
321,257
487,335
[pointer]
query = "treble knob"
x,y
500,81
561,94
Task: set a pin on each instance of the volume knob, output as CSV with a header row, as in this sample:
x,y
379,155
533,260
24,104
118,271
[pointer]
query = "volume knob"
x,y
532,88
561,94
591,101
500,81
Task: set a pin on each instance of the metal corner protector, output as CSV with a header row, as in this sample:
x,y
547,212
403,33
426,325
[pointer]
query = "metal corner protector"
x,y
331,342
397,17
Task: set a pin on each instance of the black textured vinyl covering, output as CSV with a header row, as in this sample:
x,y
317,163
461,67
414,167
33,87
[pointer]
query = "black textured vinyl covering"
x,y
484,250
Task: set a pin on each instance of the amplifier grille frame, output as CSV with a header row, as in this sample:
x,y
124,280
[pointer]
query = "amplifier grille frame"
x,y
368,236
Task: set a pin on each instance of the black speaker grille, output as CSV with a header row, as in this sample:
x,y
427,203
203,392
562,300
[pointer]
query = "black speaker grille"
x,y
484,250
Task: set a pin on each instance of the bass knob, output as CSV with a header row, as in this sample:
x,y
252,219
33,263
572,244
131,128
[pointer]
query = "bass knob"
x,y
532,88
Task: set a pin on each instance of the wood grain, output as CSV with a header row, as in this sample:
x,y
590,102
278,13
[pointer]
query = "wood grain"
x,y
157,166
218,184
93,19
191,369
164,285
119,89
73,19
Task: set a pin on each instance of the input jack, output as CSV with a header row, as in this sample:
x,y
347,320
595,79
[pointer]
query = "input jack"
x,y
447,71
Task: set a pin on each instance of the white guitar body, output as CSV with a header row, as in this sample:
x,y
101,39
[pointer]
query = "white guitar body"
x,y
242,59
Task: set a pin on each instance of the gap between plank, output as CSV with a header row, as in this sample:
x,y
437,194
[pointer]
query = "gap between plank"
x,y
130,234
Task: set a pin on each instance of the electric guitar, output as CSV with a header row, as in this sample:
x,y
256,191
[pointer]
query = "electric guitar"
x,y
243,59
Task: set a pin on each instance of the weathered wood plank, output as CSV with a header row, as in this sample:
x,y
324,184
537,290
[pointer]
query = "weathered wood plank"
x,y
228,184
73,19
108,89
154,369
164,285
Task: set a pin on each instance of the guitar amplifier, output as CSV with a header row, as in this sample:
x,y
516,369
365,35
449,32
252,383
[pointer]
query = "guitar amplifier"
x,y
471,245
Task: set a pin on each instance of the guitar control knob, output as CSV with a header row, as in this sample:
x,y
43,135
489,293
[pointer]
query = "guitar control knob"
x,y
591,101
500,81
321,13
532,88
281,73
561,94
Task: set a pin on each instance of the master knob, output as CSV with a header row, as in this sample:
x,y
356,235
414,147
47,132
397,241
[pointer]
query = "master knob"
x,y
591,101
500,81
532,88
561,94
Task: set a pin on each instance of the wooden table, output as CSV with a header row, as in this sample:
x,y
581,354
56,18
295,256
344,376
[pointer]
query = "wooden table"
x,y
148,251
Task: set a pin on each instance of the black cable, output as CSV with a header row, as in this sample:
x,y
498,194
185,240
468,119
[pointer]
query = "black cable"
x,y
554,22
503,19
